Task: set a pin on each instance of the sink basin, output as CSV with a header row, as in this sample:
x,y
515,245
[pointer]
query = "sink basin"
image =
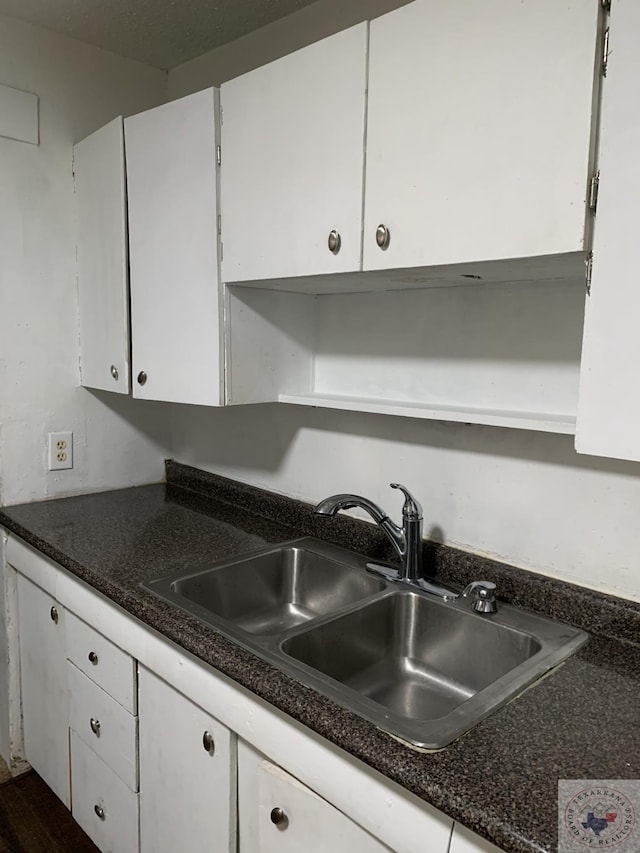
x,y
411,655
424,669
272,592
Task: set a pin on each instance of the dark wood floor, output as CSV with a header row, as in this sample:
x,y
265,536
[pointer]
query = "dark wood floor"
x,y
33,820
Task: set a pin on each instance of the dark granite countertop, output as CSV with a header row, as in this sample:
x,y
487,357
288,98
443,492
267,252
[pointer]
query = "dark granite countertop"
x,y
500,780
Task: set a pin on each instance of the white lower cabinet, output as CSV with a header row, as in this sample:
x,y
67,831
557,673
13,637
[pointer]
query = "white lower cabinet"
x,y
187,774
202,766
104,806
278,814
104,663
465,841
105,726
103,730
43,676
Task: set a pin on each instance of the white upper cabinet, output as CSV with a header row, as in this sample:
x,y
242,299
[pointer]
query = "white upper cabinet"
x,y
478,148
609,399
173,243
292,162
157,293
99,183
478,130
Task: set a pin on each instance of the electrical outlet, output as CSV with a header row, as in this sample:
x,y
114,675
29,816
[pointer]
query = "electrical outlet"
x,y
60,450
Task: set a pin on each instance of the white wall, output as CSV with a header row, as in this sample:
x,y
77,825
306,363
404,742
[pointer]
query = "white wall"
x,y
525,498
117,442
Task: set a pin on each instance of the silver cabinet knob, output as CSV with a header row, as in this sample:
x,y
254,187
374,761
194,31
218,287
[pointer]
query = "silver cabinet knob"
x,y
114,372
279,818
383,236
93,657
334,242
142,378
53,613
99,811
208,743
95,726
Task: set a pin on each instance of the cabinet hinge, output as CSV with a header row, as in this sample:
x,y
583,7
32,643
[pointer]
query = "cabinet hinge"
x,y
219,223
605,52
594,186
219,155
588,268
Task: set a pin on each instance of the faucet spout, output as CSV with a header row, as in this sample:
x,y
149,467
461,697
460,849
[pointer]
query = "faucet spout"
x,y
406,540
334,503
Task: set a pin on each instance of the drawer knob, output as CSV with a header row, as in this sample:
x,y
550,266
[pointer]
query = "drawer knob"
x,y
93,657
54,614
334,242
142,377
208,743
95,726
114,372
383,236
279,818
99,811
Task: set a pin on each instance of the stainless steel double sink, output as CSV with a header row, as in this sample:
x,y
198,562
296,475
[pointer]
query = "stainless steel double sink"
x,y
423,669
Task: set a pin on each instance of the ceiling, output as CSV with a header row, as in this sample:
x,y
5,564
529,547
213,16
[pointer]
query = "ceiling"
x,y
162,33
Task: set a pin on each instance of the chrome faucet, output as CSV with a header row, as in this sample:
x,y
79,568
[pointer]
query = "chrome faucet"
x,y
407,543
406,540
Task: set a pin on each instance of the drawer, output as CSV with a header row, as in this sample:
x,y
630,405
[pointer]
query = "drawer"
x,y
101,803
104,725
102,661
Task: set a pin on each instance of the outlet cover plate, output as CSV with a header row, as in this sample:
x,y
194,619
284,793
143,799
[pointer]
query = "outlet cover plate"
x,y
60,450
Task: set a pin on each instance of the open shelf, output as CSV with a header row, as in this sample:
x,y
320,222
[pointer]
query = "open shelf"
x,y
542,422
543,268
504,354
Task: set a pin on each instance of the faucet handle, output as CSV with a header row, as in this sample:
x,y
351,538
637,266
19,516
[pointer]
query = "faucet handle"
x,y
412,508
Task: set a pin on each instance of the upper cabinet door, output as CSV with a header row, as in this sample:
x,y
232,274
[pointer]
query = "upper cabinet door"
x,y
173,243
99,182
479,122
292,162
609,400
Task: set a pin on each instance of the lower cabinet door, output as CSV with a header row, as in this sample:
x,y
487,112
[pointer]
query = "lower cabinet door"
x,y
465,841
43,675
278,814
187,774
102,804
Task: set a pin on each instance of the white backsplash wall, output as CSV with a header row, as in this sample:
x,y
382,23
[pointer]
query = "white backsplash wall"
x,y
117,442
525,498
